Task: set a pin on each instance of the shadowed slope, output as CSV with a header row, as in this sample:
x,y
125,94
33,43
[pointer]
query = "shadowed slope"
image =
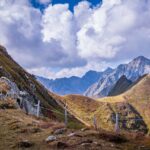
x,y
121,86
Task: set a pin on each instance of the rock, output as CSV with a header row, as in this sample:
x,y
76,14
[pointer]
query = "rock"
x,y
88,141
51,138
60,131
71,134
62,145
95,143
84,129
112,145
86,144
25,144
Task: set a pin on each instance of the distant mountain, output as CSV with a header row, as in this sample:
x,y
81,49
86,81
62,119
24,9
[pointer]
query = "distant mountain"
x,y
133,70
121,86
73,85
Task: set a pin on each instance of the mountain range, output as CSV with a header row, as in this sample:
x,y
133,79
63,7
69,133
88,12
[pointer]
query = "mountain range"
x,y
98,84
133,70
74,84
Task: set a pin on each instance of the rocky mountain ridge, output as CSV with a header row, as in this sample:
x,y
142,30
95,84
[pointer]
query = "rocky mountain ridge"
x,y
74,84
133,70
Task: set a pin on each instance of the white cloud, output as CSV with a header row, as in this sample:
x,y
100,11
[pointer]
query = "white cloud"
x,y
107,33
58,24
68,72
118,30
21,33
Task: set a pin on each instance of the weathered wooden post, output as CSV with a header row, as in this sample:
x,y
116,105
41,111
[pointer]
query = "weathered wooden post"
x,y
95,122
117,123
66,115
38,108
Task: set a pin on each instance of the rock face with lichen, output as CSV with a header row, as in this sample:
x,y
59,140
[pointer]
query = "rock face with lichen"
x,y
9,90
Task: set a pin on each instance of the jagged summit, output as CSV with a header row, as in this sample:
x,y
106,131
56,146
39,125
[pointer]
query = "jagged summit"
x,y
140,58
133,70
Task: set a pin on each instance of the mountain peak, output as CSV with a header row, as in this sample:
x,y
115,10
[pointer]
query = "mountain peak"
x,y
108,69
141,58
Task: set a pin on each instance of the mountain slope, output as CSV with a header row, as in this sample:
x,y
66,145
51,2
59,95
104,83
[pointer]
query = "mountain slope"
x,y
121,86
25,84
73,85
133,70
132,106
138,96
21,131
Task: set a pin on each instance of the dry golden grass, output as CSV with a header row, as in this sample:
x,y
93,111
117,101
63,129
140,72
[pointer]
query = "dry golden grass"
x,y
112,99
8,103
25,82
4,88
138,96
16,126
136,101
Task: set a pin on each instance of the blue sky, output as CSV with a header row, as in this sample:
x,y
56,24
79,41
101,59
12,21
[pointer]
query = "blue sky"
x,y
71,3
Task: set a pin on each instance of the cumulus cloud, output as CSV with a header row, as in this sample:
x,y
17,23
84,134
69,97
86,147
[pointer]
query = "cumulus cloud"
x,y
68,72
107,33
117,30
22,34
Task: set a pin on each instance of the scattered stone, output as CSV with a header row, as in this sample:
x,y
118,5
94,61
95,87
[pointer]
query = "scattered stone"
x,y
86,144
88,141
62,145
84,129
25,144
112,145
51,138
95,143
60,131
71,134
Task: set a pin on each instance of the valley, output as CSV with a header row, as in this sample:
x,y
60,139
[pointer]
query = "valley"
x,y
91,122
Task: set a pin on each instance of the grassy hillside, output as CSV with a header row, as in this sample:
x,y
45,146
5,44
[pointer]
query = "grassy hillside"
x,y
139,97
21,131
133,108
27,82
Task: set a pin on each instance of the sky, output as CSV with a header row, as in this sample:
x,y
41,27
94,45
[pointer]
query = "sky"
x,y
42,4
62,38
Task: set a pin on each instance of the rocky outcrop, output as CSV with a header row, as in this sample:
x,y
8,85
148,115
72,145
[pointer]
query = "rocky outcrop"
x,y
10,90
